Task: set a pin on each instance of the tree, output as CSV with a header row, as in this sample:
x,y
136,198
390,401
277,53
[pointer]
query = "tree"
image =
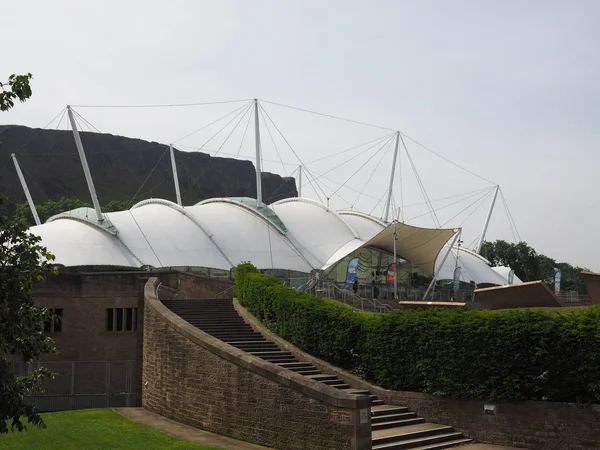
x,y
52,207
23,263
16,88
530,265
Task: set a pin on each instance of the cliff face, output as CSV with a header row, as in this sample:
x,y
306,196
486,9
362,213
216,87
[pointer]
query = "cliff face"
x,y
119,167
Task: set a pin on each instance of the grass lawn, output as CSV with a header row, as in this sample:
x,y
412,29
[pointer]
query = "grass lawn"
x,y
93,429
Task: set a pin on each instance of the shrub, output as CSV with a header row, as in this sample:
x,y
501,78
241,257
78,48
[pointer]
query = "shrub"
x,y
487,355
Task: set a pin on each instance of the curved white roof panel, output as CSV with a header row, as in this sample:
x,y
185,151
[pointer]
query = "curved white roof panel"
x,y
365,226
75,243
293,234
473,267
314,229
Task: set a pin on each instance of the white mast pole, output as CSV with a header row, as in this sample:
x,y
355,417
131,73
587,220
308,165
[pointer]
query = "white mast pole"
x,y
175,177
300,181
257,144
389,196
442,264
26,190
487,219
395,263
86,169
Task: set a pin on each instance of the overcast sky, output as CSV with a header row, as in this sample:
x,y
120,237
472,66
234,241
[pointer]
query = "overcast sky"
x,y
507,89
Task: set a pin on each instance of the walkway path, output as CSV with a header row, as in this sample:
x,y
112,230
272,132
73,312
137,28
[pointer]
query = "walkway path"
x,y
182,431
487,447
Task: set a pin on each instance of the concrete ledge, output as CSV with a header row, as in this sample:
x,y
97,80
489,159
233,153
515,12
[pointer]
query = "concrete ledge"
x,y
314,389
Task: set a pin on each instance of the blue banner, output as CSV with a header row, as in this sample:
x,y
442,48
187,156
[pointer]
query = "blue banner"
x,y
557,278
351,274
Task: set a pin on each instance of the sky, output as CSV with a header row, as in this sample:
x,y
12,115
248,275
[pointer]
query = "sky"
x,y
506,89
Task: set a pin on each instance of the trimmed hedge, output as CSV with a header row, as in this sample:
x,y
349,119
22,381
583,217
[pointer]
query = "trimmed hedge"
x,y
487,355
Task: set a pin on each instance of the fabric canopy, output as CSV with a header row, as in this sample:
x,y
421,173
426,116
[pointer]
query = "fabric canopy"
x,y
420,246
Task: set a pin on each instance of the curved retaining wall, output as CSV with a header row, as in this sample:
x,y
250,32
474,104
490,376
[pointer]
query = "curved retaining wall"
x,y
531,424
193,378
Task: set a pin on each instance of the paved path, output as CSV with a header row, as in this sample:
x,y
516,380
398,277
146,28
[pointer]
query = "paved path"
x,y
487,447
182,431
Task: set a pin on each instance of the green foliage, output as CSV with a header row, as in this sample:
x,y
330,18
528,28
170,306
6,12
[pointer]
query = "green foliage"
x,y
52,207
23,263
95,429
531,266
17,88
488,355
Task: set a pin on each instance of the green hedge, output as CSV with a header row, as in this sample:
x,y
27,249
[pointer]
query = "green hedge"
x,y
488,355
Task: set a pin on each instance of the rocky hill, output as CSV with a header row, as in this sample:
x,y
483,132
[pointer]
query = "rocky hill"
x,y
119,167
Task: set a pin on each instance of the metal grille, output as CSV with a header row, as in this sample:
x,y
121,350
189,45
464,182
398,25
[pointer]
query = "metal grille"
x,y
83,384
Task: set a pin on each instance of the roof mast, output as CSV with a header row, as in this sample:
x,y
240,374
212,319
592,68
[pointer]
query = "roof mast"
x,y
84,164
258,156
26,190
300,181
386,214
487,220
175,177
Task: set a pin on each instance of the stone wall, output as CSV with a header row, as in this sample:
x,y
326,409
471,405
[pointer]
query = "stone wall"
x,y
198,380
533,425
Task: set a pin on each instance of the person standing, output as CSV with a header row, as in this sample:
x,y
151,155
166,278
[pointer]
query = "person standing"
x,y
355,286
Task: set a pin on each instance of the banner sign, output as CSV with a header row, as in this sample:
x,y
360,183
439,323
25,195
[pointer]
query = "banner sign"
x,y
351,274
511,277
456,279
390,273
557,278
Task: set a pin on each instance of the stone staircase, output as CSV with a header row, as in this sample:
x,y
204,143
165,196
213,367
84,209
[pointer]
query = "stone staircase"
x,y
393,427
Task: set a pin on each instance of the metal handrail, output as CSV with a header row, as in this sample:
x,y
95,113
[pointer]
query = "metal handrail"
x,y
376,304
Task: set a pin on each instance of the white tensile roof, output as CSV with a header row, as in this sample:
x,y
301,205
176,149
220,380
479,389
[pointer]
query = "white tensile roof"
x,y
294,234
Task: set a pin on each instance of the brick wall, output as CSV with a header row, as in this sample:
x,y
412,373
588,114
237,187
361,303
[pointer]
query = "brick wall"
x,y
99,355
533,425
193,378
592,286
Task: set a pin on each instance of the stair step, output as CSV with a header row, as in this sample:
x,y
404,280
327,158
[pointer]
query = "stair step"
x,y
258,341
412,433
275,359
419,443
322,377
389,417
397,423
308,372
447,444
376,402
299,364
276,353
358,392
385,410
336,380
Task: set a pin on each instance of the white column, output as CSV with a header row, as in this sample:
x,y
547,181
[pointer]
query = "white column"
x,y
395,263
84,164
299,181
487,220
175,177
257,144
26,190
389,196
